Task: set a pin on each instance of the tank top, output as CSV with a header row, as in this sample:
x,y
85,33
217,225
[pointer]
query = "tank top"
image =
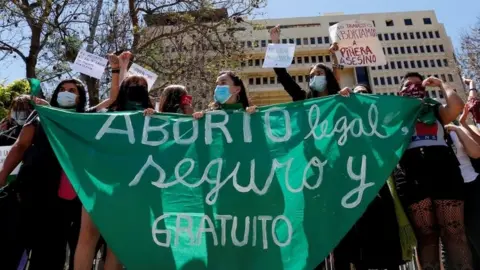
x,y
466,167
428,135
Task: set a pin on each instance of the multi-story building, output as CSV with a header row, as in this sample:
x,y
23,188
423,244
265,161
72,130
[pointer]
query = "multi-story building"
x,y
412,41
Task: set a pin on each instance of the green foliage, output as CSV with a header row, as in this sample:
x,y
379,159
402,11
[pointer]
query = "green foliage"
x,y
9,92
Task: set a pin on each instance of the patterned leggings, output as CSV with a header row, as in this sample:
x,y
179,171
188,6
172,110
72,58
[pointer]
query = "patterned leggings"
x,y
441,218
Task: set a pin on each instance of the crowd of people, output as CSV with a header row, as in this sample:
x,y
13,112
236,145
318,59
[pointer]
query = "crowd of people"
x,y
429,202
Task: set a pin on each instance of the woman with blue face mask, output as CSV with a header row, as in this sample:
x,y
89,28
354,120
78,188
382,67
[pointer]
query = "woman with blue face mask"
x,y
229,94
49,208
321,79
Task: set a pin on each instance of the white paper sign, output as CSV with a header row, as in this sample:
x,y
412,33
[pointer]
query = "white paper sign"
x,y
3,155
358,44
140,71
279,55
89,64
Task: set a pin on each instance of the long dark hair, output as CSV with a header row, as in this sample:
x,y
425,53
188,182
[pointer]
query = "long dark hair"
x,y
173,97
242,95
125,95
82,94
332,84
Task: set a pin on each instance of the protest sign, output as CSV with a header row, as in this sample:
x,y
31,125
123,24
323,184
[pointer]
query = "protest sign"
x,y
358,44
4,150
274,190
89,64
140,71
279,55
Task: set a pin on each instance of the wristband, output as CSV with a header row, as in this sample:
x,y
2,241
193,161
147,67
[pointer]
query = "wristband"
x,y
115,71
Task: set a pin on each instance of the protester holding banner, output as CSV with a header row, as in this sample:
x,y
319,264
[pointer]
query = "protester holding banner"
x,y
175,99
322,81
433,187
466,142
49,208
230,94
12,124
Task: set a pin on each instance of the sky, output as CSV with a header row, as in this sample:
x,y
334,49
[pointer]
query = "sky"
x,y
457,16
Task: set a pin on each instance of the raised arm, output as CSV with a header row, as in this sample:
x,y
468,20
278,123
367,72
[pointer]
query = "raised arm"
x,y
450,111
336,67
288,83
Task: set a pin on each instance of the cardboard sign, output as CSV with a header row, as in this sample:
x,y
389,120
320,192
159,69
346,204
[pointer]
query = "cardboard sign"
x,y
358,44
279,55
140,71
4,150
90,64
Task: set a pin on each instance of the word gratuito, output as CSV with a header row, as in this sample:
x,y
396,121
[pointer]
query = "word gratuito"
x,y
257,230
318,129
184,168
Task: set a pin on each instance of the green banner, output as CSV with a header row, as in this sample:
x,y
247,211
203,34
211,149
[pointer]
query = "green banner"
x,y
274,190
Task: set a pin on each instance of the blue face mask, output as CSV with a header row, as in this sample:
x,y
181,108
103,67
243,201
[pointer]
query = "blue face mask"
x,y
222,93
318,83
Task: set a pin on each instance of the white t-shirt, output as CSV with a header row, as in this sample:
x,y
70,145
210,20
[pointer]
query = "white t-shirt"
x,y
428,135
468,172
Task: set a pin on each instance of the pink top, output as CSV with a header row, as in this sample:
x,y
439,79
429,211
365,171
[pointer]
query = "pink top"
x,y
65,190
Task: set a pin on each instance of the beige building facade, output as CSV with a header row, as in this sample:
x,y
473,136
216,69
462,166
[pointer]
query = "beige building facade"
x,y
412,41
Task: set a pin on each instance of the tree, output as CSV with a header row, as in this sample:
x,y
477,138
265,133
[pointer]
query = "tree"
x,y
9,92
469,55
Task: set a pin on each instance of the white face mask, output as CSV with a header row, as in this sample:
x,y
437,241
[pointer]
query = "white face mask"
x,y
66,99
19,117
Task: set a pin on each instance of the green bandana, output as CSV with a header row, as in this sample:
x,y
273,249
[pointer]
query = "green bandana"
x,y
427,114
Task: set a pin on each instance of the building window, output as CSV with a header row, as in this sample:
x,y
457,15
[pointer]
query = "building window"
x,y
428,49
305,41
395,50
389,80
299,60
264,43
443,77
319,40
375,80
300,79
257,62
412,35
284,41
380,68
327,58
408,21
434,47
250,81
412,64
257,81
312,40
314,59
392,36
385,36
249,44
405,64
437,34
389,50
250,62
415,49
399,64
422,49
379,37
432,63
405,35
373,68
425,63
424,35
392,64
430,34
382,80
441,48
272,80
383,49
256,44
327,40
399,36
418,35
320,58
419,63
409,50
427,21
402,50
306,60
265,80
389,22
445,62
450,77
386,66
299,41
395,80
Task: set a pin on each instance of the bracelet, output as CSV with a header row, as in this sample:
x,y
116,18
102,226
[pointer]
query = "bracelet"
x,y
115,71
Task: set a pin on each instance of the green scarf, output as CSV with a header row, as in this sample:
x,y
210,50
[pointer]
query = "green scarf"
x,y
428,114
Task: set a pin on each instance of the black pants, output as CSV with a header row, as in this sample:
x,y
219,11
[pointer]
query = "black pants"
x,y
58,225
11,248
472,219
